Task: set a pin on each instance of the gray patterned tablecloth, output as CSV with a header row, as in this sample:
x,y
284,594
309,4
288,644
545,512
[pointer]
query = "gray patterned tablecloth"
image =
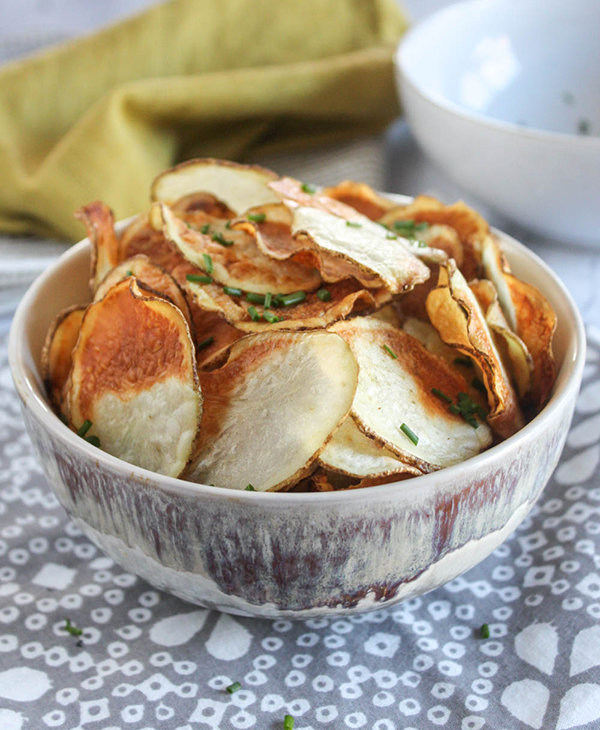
x,y
148,661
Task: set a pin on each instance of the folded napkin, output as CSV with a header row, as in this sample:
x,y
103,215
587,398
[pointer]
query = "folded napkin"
x,y
101,116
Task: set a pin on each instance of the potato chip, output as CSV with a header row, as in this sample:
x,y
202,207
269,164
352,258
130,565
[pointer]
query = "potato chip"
x,y
361,197
468,224
269,411
100,223
352,453
395,402
239,187
529,316
140,238
240,263
134,378
455,313
57,353
150,274
514,351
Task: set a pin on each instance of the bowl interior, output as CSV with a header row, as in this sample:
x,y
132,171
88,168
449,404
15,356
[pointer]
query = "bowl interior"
x,y
529,63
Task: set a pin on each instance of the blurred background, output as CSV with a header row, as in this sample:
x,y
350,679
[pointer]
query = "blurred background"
x,y
393,162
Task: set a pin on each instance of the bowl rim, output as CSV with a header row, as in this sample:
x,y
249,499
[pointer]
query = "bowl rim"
x,y
433,481
411,37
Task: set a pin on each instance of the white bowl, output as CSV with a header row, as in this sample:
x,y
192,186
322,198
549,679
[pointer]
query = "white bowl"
x,y
497,93
293,554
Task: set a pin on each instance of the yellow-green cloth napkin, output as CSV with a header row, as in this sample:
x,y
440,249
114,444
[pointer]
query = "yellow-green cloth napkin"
x,y
101,116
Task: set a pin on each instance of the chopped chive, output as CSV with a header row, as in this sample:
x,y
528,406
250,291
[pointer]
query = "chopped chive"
x,y
392,237
407,225
383,225
268,299
324,295
454,409
63,418
270,317
233,687
256,217
289,299
485,631
94,440
310,189
205,343
478,385
249,488
255,298
422,244
410,435
254,315
463,361
390,352
189,225
353,224
73,630
84,428
219,238
228,225
440,394
288,722
423,226
208,263
233,291
199,278
129,272
205,228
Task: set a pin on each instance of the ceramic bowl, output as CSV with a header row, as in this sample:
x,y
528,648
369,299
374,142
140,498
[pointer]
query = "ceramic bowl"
x,y
292,554
504,96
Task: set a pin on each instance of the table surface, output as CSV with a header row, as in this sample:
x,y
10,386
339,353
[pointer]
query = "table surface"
x,y
147,660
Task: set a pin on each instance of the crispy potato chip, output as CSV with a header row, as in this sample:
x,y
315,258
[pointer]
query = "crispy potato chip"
x,y
511,346
389,314
468,224
529,316
394,398
303,382
346,298
134,377
455,313
352,453
376,259
57,353
239,187
100,223
140,238
361,197
150,274
240,265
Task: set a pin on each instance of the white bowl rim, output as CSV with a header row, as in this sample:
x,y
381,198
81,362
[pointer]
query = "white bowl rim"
x,y
181,487
412,37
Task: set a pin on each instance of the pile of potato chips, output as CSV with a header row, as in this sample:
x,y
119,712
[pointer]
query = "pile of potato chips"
x,y
252,332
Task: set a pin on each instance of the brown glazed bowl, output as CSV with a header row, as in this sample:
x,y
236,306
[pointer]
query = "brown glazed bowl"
x,y
292,554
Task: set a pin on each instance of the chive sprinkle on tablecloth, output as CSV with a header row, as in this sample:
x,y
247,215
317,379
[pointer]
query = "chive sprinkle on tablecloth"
x,y
147,660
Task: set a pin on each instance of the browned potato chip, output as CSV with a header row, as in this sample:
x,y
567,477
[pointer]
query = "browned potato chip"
x,y
237,186
514,351
395,402
529,316
455,313
240,263
140,238
134,377
302,381
361,197
100,223
150,274
57,353
468,224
